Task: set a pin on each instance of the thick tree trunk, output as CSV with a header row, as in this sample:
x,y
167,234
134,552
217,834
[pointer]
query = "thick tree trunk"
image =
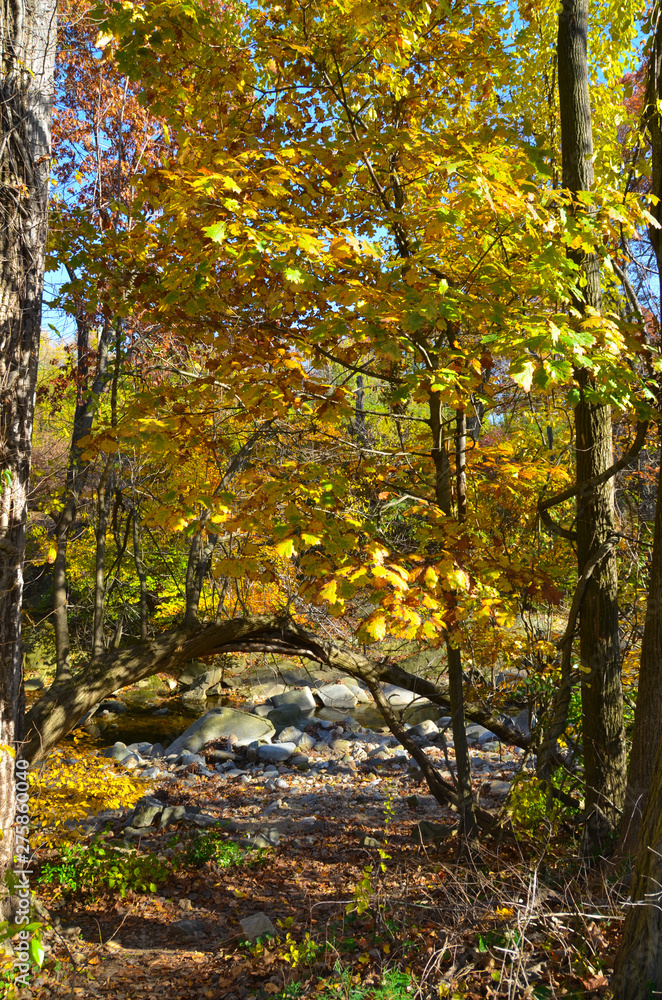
x,y
602,699
648,711
28,47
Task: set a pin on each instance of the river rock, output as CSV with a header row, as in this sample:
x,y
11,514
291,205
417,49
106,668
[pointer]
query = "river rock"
x,y
521,722
290,735
285,716
362,696
33,684
116,707
427,728
302,697
151,773
218,723
275,751
257,925
336,696
398,697
262,711
117,752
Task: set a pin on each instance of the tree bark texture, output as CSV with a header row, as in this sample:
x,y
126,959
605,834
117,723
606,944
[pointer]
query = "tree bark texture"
x,y
602,698
27,37
648,710
638,972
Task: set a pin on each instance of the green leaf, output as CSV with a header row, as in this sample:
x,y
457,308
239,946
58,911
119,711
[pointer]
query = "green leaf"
x,y
36,950
215,232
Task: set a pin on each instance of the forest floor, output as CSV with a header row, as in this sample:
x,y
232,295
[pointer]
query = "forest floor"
x,y
394,919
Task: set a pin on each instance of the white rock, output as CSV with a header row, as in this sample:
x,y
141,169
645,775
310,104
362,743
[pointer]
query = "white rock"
x,y
257,925
276,751
336,696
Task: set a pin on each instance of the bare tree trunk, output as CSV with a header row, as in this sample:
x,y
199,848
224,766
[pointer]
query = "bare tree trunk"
x,y
638,972
104,496
602,698
468,827
142,577
27,37
648,711
77,475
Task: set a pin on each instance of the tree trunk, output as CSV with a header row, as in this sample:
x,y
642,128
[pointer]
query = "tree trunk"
x,y
648,710
602,698
28,49
77,474
638,972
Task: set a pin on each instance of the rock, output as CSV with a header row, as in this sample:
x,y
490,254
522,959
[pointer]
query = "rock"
x,y
499,788
475,732
162,711
131,760
203,820
276,751
362,696
221,756
425,728
146,812
33,684
192,929
151,773
487,737
398,697
257,925
269,689
156,751
185,903
510,676
187,758
116,707
170,815
337,696
306,742
341,747
290,735
426,831
302,697
262,710
521,722
220,722
368,841
285,716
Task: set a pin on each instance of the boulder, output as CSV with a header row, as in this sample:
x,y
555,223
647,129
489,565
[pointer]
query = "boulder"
x,y
146,812
151,773
398,697
302,697
257,925
336,696
116,753
425,728
426,831
290,735
219,723
521,722
274,752
362,696
116,707
285,716
33,684
262,710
